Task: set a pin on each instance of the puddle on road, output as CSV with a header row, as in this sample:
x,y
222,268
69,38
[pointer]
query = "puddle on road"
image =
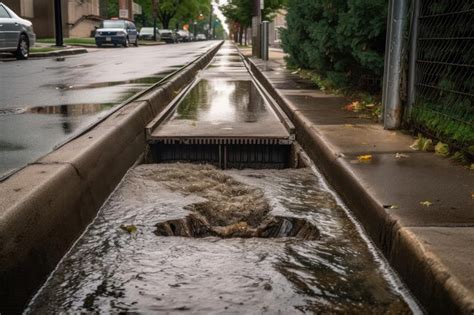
x,y
37,129
222,100
111,270
146,81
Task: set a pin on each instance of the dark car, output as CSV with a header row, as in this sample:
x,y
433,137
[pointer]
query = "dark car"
x,y
168,36
183,36
146,33
16,34
116,32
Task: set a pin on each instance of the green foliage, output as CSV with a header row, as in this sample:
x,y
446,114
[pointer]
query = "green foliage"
x,y
169,12
455,129
240,11
341,39
184,11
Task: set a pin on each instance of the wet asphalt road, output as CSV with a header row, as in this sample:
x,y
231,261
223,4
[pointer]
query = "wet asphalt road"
x,y
45,101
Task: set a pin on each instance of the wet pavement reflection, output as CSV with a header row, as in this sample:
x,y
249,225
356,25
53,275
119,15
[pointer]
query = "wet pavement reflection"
x,y
112,270
221,100
43,102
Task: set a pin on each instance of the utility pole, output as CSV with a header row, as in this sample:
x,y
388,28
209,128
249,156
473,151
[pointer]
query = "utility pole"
x,y
210,22
58,23
155,4
256,21
392,103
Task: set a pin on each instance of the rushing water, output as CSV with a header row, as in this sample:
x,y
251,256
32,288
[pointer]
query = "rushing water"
x,y
112,270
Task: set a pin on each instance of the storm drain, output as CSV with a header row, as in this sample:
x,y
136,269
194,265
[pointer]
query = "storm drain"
x,y
231,208
224,153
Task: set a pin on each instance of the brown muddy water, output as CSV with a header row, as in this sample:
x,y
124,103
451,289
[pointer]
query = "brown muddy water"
x,y
128,261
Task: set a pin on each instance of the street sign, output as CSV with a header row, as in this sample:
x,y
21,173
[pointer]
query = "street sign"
x,y
123,14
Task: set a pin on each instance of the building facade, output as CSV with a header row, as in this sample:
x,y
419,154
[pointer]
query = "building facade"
x,y
80,17
275,27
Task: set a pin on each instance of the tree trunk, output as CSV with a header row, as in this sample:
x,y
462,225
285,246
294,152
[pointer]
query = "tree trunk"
x,y
241,30
166,23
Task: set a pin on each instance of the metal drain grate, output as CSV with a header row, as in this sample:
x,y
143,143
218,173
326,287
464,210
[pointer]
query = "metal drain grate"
x,y
234,153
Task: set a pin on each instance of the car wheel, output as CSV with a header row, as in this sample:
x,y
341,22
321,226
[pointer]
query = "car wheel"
x,y
99,45
136,42
23,49
126,43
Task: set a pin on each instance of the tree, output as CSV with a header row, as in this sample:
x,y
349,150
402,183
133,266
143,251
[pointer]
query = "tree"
x,y
239,14
181,10
177,11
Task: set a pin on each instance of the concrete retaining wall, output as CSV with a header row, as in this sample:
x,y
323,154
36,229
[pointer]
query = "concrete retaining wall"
x,y
422,271
49,203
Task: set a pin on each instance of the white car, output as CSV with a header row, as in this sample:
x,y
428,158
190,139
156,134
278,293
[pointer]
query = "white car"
x,y
16,34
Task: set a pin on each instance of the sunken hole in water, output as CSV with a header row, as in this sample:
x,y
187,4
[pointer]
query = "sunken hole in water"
x,y
231,208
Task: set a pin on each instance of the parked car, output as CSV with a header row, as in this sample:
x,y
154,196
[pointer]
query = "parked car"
x,y
168,36
116,32
146,33
16,34
201,37
183,36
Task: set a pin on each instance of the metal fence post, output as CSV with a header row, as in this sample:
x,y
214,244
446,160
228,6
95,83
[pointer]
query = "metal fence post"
x,y
264,37
393,106
387,49
412,57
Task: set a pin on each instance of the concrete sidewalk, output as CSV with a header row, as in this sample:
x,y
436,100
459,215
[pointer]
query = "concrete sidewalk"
x,y
430,245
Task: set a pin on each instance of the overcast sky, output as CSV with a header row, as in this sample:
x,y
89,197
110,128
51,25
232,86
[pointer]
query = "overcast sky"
x,y
219,13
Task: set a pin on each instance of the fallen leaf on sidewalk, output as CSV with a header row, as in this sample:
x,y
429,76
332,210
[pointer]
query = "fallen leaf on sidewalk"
x,y
422,144
401,156
442,149
426,203
355,107
129,228
365,158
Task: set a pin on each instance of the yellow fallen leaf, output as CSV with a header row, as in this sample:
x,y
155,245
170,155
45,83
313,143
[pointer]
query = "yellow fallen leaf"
x,y
365,158
442,149
426,203
129,228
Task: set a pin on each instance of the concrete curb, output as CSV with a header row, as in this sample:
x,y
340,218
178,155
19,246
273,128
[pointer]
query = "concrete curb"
x,y
59,53
429,280
55,53
49,203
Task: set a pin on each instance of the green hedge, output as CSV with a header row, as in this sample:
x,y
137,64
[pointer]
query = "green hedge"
x,y
342,40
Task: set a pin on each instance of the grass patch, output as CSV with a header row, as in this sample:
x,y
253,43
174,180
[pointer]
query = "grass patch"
x,y
70,41
44,49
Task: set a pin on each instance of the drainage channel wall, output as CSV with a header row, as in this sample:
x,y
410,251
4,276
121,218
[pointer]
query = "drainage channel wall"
x,y
423,273
47,205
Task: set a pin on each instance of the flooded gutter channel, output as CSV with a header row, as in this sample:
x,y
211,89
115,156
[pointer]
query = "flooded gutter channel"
x,y
49,203
253,231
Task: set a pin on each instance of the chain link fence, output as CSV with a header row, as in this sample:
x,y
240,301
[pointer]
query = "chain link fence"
x,y
444,80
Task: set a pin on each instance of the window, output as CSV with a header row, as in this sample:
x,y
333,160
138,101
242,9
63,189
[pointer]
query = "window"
x,y
3,12
113,24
